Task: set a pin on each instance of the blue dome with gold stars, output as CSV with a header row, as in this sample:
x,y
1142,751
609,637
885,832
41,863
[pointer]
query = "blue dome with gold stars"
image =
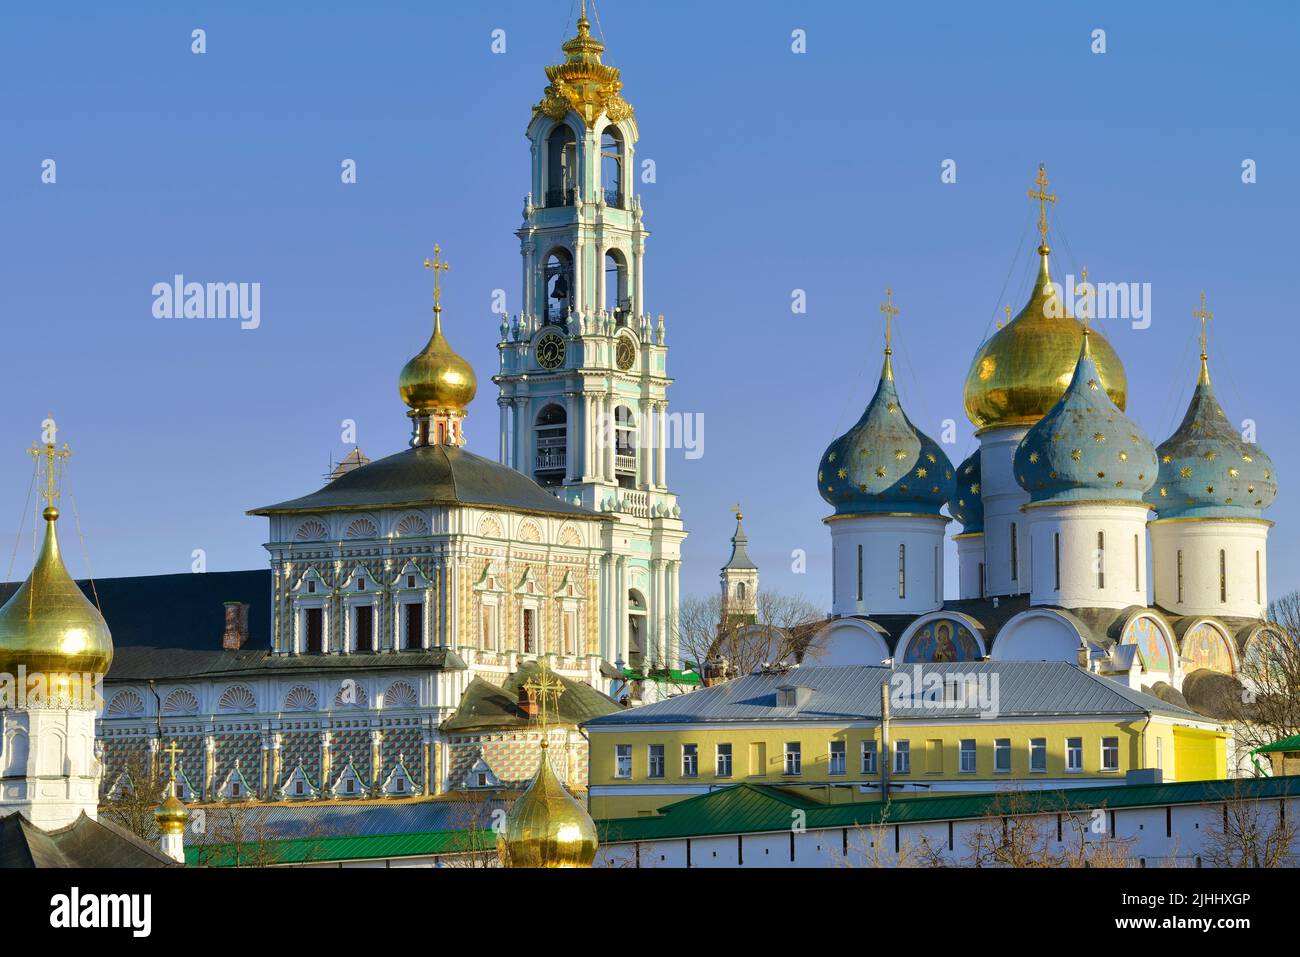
x,y
884,463
967,504
1206,469
1085,449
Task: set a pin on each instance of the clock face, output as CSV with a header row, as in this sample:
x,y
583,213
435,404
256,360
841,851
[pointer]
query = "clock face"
x,y
625,353
550,351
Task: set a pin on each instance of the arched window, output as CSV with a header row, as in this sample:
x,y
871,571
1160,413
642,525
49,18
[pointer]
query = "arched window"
x,y
740,591
559,285
625,446
636,629
551,431
618,299
611,166
561,167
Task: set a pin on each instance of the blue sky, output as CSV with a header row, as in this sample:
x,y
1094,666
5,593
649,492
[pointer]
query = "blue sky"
x,y
775,172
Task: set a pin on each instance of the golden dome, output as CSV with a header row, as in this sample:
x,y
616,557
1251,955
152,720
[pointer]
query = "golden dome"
x,y
437,378
48,625
172,814
546,826
1021,372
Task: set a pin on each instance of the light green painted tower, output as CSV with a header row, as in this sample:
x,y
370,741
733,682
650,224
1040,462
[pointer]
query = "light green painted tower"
x,y
583,381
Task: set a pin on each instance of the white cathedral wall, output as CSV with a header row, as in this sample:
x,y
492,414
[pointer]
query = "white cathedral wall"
x,y
50,772
1003,498
1244,544
970,562
1105,573
1037,635
880,536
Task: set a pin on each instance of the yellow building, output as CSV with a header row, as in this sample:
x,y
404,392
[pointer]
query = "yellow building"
x,y
968,727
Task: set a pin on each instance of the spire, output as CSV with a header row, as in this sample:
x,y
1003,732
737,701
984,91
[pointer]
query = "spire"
x,y
171,815
1085,350
739,544
1205,316
439,266
889,311
582,83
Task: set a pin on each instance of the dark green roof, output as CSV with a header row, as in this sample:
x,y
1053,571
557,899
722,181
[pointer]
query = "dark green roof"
x,y
143,664
350,848
484,705
178,611
1286,744
749,808
431,475
83,843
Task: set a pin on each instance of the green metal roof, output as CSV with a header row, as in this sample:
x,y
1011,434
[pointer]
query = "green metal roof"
x,y
1286,744
350,848
749,808
665,675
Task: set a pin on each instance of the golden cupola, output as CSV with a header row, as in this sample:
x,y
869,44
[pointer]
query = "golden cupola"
x,y
48,625
437,383
1019,373
583,83
546,826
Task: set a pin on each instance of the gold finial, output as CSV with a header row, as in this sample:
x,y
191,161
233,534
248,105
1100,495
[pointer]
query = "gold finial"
x,y
1205,316
889,311
736,511
545,687
54,457
1083,287
439,266
1043,197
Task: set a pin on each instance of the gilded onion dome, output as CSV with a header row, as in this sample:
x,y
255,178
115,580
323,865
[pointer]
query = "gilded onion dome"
x,y
1085,449
48,625
1019,373
1206,469
967,502
172,814
546,826
437,378
885,463
583,83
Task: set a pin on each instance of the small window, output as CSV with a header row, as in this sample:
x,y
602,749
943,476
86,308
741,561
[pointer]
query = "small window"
x,y
902,571
655,762
1056,555
361,584
1101,559
235,789
836,763
967,756
1110,754
311,588
528,631
1038,755
410,581
349,786
1223,575
1180,576
1015,554
902,757
364,624
414,625
1160,753
723,756
1002,756
859,573
1074,754
622,760
297,787
690,760
793,758
315,627
869,757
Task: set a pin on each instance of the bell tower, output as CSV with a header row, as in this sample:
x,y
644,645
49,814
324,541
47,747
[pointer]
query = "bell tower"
x,y
583,381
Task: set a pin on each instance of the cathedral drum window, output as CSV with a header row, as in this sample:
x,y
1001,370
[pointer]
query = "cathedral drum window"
x,y
550,351
625,353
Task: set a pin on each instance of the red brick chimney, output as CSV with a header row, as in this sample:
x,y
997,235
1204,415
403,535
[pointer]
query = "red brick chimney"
x,y
526,704
236,633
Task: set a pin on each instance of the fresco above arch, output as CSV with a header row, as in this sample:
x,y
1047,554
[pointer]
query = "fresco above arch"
x,y
1207,647
942,640
1152,645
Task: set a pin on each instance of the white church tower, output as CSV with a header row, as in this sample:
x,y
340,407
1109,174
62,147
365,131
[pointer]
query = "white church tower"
x,y
583,378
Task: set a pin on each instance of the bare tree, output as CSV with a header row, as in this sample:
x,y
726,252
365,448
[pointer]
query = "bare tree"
x,y
782,634
1268,708
132,805
1247,832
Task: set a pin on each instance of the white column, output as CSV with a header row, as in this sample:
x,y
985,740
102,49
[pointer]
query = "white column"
x,y
607,435
620,608
528,250
638,260
661,441
645,414
601,292
674,583
522,463
572,437
585,426
503,455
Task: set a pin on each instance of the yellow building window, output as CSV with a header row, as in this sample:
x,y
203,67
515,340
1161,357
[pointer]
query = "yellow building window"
x,y
757,759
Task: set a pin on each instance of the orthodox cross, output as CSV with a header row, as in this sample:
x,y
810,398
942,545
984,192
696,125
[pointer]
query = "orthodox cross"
x,y
173,751
52,456
439,266
1205,316
889,310
1043,197
542,688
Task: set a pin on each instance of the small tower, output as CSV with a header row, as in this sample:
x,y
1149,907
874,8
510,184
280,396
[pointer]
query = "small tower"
x,y
51,634
887,481
172,815
739,581
1085,466
1209,538
437,384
